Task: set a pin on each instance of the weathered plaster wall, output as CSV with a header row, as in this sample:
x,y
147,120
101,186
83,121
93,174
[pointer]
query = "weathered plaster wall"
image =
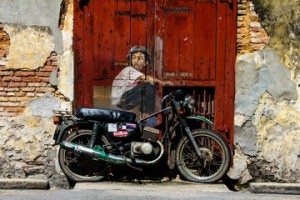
x,y
36,77
39,13
267,98
31,52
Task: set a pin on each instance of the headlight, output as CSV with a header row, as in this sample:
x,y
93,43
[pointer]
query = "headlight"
x,y
189,103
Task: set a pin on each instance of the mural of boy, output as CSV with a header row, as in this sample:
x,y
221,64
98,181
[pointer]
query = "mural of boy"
x,y
131,87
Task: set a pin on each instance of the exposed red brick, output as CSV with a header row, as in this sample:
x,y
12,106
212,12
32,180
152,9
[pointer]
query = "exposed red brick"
x,y
15,110
3,84
17,84
21,94
31,79
24,73
54,63
10,94
12,89
42,74
45,80
53,53
30,94
8,114
6,73
37,84
11,78
45,90
10,104
53,59
47,69
28,89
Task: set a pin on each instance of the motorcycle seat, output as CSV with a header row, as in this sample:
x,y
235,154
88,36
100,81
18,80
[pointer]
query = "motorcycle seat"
x,y
105,114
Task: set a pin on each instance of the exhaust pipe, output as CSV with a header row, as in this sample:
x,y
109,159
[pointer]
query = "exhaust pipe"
x,y
100,154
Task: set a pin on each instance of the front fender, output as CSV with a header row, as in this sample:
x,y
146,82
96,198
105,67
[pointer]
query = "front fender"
x,y
200,119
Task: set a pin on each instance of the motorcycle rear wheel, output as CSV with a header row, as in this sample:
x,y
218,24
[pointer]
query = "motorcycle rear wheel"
x,y
214,162
82,168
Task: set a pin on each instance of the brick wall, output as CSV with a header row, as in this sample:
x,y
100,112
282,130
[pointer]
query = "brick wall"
x,y
4,45
251,36
18,87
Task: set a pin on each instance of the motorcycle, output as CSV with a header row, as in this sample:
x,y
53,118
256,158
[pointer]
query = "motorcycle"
x,y
99,143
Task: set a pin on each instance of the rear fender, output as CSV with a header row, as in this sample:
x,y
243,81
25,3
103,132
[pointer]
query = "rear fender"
x,y
62,129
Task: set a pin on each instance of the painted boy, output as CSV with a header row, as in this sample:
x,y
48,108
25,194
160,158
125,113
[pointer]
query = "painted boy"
x,y
131,87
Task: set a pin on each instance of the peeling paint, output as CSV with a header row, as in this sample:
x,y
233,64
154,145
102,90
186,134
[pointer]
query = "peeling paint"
x,y
29,46
66,60
41,13
158,56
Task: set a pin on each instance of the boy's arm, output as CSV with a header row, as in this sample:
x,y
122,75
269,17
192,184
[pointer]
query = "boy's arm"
x,y
153,80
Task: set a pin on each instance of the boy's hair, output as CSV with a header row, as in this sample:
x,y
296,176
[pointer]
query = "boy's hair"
x,y
141,49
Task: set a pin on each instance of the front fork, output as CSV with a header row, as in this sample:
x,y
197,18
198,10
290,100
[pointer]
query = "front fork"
x,y
192,139
187,129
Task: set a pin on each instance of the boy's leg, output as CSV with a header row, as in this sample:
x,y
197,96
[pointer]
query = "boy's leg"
x,y
143,95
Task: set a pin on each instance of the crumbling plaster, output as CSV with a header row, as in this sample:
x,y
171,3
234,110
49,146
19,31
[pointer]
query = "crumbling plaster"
x,y
43,13
33,29
267,114
27,140
29,46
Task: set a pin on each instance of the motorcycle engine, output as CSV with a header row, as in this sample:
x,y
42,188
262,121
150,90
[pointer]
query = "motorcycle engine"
x,y
139,148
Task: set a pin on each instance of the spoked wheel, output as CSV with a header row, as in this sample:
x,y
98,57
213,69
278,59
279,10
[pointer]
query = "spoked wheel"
x,y
213,163
81,168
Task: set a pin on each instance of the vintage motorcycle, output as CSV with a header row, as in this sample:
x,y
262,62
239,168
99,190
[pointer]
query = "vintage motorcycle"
x,y
100,144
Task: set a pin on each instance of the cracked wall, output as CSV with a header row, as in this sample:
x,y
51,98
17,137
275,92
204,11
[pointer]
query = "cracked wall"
x,y
36,74
267,98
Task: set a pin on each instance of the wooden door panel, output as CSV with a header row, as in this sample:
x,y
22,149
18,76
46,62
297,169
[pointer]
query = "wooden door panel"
x,y
104,31
138,23
171,51
117,25
189,34
205,40
122,32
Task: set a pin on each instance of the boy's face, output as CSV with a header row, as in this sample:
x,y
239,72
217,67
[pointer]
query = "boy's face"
x,y
138,60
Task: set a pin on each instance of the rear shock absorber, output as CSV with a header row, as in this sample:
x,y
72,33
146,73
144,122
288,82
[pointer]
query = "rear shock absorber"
x,y
94,134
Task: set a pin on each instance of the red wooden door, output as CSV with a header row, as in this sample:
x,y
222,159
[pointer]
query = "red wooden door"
x,y
192,43
188,31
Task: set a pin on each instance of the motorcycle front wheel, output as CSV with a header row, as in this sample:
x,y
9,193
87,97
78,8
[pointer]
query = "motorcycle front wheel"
x,y
213,163
82,168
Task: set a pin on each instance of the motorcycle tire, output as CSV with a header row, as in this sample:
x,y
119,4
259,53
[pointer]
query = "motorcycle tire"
x,y
213,163
82,168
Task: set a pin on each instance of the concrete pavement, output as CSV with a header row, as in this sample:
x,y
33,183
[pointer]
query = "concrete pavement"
x,y
24,184
163,185
274,188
